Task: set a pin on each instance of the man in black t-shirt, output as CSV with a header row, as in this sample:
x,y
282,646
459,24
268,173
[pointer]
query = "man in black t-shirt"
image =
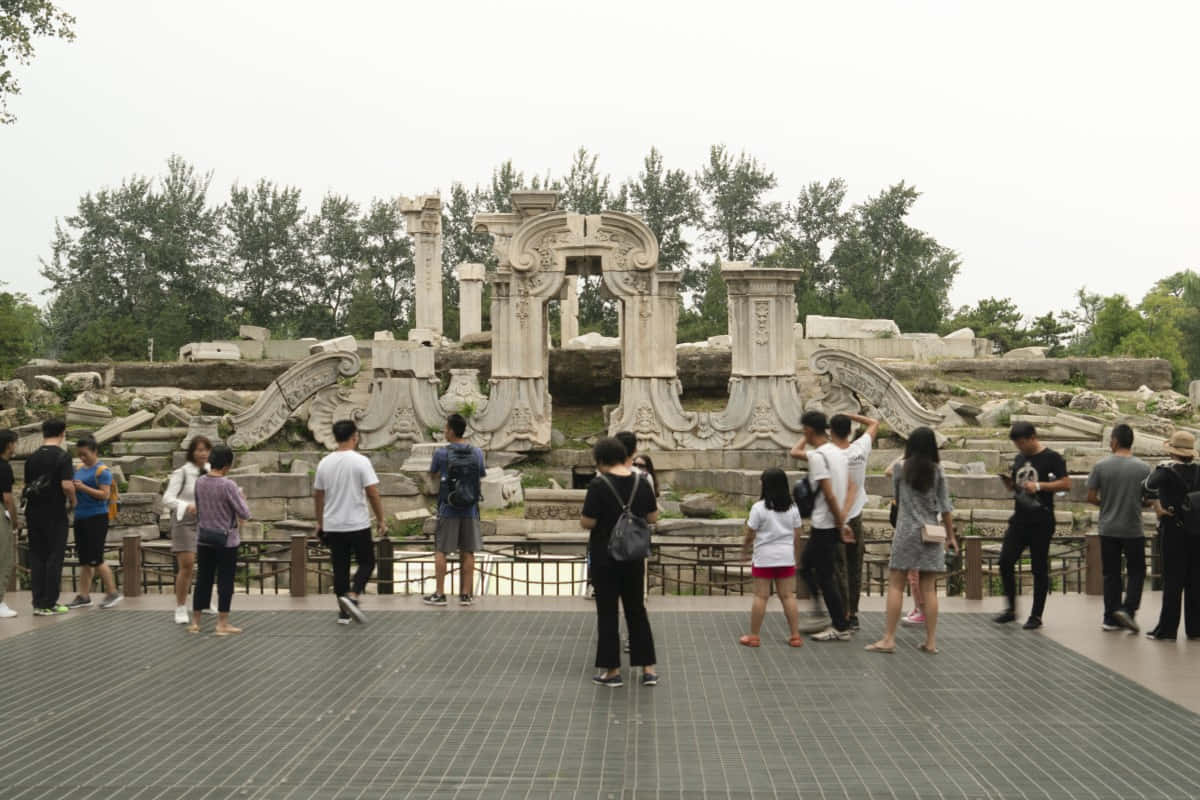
x,y
615,486
49,480
1037,473
9,523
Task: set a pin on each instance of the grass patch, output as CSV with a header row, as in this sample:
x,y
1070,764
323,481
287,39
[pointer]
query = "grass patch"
x,y
706,404
512,512
577,423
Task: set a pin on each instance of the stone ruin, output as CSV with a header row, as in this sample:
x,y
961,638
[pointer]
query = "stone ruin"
x,y
541,253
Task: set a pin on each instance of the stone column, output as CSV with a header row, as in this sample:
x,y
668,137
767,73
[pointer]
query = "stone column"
x,y
569,308
470,299
423,221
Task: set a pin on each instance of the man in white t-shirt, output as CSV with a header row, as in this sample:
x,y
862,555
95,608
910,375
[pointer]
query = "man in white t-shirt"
x,y
829,473
345,484
849,565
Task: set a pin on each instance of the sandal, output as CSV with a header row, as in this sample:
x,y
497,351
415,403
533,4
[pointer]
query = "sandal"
x,y
227,631
878,648
750,640
796,641
925,649
193,628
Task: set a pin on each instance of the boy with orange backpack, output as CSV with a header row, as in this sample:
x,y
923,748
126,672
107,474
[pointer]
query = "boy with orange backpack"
x,y
97,505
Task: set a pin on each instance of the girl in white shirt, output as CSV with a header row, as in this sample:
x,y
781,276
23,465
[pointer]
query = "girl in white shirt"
x,y
773,528
180,501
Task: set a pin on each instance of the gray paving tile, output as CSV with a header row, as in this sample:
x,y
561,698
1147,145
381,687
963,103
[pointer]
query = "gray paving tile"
x,y
499,705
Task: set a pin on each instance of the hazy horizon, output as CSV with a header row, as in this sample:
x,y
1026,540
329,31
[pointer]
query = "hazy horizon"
x,y
1054,146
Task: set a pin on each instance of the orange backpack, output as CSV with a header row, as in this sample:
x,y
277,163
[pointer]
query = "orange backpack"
x,y
114,495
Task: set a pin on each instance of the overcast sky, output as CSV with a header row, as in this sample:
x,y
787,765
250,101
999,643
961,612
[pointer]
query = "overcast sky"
x,y
1055,143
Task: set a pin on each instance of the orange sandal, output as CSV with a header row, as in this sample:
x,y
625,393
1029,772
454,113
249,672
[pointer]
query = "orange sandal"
x,y
796,641
750,640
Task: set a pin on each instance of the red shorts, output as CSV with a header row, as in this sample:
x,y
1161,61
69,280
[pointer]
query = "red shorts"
x,y
773,572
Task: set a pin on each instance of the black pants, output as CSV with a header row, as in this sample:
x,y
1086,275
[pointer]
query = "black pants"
x,y
47,546
1034,533
1134,551
1181,582
817,567
622,581
218,562
343,544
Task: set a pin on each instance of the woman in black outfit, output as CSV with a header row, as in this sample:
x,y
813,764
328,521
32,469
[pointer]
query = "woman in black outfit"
x,y
612,580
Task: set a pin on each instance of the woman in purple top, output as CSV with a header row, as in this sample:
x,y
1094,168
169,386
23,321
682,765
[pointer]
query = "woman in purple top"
x,y
220,506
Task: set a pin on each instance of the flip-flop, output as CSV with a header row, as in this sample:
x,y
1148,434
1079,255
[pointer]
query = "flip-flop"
x,y
228,632
193,628
931,651
875,648
750,640
795,641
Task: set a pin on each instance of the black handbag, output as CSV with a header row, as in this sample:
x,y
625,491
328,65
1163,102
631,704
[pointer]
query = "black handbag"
x,y
212,537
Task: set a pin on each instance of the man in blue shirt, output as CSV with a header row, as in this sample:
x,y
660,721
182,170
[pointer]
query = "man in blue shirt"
x,y
460,468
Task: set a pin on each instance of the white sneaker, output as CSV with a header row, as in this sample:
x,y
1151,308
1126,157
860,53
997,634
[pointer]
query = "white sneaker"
x,y
831,635
6,612
211,611
181,616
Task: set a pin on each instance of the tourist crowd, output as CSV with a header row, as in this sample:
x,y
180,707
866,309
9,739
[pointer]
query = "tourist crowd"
x,y
621,505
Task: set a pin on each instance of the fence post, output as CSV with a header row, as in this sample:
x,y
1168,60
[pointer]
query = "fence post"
x,y
1095,570
386,560
974,567
131,565
298,572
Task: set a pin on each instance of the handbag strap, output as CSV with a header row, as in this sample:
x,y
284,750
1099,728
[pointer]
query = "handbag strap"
x,y
624,505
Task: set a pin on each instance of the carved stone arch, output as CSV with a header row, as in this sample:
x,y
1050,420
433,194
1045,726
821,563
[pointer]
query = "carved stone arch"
x,y
621,241
872,384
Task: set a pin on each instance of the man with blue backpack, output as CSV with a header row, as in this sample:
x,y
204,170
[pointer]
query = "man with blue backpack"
x,y
460,468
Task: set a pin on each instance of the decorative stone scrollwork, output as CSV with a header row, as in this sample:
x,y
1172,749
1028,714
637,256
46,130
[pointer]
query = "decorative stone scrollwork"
x,y
317,373
872,384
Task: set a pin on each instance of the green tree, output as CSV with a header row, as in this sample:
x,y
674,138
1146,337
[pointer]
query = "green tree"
x,y
1082,320
668,203
136,262
383,293
887,268
740,222
21,21
21,329
585,190
1049,331
460,245
330,267
814,225
505,180
267,251
711,315
997,319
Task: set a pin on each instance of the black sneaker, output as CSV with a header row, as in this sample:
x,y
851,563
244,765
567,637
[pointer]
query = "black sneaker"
x,y
343,619
1160,637
1006,617
649,679
854,625
80,602
1109,624
1126,620
611,682
434,600
1032,624
465,599
351,609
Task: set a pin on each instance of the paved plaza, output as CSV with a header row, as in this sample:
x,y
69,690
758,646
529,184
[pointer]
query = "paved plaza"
x,y
479,703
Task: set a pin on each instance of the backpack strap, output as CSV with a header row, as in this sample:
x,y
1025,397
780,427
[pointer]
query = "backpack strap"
x,y
624,505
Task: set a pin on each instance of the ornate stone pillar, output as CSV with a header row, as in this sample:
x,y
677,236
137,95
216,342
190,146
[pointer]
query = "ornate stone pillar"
x,y
470,299
569,309
423,221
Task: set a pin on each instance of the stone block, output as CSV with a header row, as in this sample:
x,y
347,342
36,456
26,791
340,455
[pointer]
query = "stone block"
x,y
557,504
1025,353
593,341
286,349
415,515
251,349
1194,394
384,336
396,485
480,339
269,508
1092,401
87,415
154,435
143,448
47,382
392,505
275,484
124,425
222,403
13,394
961,333
698,506
143,483
83,381
248,469
201,426
210,351
117,533
254,333
819,327
341,344
301,467
172,415
128,464
501,489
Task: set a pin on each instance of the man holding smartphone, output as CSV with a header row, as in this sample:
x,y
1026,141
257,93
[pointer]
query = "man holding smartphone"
x,y
1037,473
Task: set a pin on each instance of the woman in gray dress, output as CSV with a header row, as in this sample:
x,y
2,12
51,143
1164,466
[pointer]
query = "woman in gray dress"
x,y
919,487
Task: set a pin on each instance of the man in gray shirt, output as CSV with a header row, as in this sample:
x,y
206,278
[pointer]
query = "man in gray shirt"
x,y
1115,485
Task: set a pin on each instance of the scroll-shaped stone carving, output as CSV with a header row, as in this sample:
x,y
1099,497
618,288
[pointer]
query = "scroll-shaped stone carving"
x,y
874,385
287,393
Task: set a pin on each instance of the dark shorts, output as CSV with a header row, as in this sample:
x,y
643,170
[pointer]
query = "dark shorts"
x,y
773,572
90,535
458,534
